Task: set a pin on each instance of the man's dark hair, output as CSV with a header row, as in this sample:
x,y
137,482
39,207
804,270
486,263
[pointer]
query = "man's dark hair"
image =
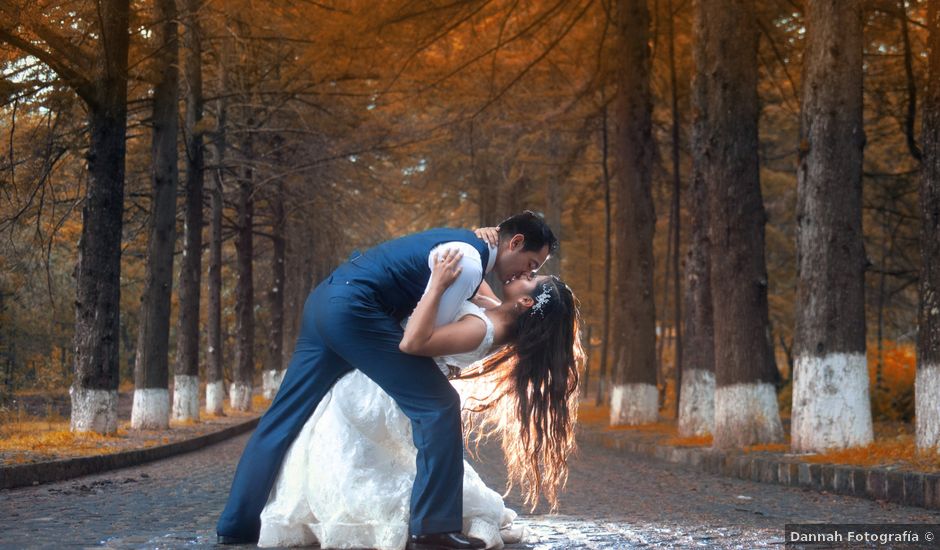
x,y
531,226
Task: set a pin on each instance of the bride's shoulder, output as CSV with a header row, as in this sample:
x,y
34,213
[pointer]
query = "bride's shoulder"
x,y
469,308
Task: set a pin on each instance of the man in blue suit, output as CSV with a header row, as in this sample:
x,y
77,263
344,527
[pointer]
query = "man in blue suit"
x,y
352,320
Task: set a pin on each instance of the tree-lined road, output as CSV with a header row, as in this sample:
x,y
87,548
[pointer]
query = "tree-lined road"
x,y
613,501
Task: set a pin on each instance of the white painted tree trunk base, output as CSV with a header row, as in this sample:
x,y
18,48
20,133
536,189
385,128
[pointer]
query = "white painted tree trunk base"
x,y
151,409
697,403
632,404
831,405
185,397
927,403
215,397
746,414
94,410
271,381
240,397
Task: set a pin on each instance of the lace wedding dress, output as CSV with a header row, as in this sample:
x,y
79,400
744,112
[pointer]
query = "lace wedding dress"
x,y
346,479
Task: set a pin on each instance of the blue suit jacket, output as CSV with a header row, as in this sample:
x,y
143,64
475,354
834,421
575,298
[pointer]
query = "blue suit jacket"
x,y
396,271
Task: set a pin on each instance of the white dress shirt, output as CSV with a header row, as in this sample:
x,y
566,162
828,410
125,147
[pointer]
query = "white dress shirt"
x,y
471,275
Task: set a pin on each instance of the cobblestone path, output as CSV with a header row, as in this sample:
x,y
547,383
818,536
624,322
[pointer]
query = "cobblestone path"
x,y
613,501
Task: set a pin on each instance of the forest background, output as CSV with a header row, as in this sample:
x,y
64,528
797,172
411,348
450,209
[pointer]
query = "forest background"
x,y
331,126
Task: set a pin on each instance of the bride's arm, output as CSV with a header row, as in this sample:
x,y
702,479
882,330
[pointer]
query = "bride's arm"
x,y
485,297
421,337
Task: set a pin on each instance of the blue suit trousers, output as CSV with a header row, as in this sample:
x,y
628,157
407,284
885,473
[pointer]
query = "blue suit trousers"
x,y
344,328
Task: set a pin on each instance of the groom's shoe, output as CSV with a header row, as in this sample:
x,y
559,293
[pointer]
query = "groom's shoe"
x,y
225,539
444,541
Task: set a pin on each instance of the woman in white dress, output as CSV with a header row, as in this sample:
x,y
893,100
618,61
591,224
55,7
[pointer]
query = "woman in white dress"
x,y
346,480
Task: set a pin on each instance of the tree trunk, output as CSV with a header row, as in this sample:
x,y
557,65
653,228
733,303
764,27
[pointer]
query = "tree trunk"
x,y
151,410
5,355
831,406
662,324
726,80
98,275
130,346
554,204
186,381
274,372
634,398
697,401
295,287
588,347
927,386
675,210
911,82
608,237
240,395
882,294
483,173
300,278
513,198
215,385
488,197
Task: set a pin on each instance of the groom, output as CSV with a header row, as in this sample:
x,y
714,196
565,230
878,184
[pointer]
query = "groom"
x,y
352,321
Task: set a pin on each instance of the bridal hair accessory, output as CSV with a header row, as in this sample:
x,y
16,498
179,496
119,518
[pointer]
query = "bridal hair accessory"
x,y
541,300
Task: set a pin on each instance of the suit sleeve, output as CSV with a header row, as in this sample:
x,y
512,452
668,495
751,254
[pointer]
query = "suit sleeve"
x,y
471,275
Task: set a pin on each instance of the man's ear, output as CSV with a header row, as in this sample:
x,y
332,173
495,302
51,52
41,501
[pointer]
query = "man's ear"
x,y
517,242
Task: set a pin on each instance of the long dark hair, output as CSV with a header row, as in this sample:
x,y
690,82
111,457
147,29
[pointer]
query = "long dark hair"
x,y
531,387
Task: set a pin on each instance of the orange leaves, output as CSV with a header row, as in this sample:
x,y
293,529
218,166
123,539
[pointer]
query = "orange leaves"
x,y
25,438
30,439
893,397
662,428
46,370
69,232
899,363
592,414
692,441
259,403
900,450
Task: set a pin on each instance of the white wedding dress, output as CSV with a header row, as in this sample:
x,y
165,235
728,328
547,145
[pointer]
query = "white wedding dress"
x,y
346,479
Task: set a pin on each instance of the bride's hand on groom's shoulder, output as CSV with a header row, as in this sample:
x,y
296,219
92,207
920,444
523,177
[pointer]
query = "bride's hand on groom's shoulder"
x,y
488,234
446,269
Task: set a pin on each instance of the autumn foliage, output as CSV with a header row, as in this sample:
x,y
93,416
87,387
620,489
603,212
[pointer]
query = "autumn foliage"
x,y
891,381
380,118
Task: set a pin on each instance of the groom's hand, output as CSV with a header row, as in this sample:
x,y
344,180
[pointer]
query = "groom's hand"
x,y
488,234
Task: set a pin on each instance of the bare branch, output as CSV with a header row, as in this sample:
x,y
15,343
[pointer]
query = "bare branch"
x,y
70,75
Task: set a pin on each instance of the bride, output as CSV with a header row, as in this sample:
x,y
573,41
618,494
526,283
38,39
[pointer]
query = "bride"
x,y
347,478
